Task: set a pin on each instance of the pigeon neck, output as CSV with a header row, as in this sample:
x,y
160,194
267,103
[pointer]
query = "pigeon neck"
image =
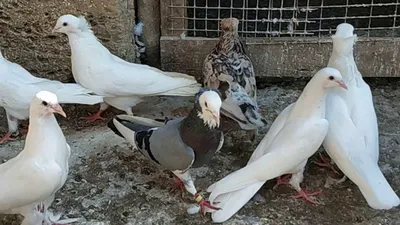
x,y
229,41
42,128
342,59
311,102
193,123
76,38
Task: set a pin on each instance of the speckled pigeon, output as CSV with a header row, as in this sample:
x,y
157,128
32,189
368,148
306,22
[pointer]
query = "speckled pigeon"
x,y
229,69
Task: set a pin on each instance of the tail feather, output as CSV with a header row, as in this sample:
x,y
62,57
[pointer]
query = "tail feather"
x,y
71,93
232,202
127,128
190,90
377,191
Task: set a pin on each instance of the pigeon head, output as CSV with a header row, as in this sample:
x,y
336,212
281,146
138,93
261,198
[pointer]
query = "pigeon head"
x,y
344,39
45,103
208,102
330,78
229,25
71,24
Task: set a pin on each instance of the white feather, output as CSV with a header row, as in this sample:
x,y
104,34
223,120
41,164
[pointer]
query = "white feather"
x,y
18,87
94,67
39,171
353,138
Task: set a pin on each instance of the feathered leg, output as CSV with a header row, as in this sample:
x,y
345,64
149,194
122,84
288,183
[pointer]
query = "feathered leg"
x,y
189,185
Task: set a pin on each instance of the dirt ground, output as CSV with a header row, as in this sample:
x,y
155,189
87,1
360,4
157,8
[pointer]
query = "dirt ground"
x,y
112,185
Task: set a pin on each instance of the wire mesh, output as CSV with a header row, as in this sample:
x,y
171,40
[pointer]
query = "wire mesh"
x,y
286,18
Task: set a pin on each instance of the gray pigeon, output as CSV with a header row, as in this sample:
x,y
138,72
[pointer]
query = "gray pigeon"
x,y
179,144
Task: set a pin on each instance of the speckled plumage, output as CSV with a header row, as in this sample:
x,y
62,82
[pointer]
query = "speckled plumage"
x,y
228,69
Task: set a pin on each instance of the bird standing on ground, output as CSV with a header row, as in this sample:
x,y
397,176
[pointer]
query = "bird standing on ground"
x,y
180,144
31,179
294,136
18,87
353,139
123,84
230,70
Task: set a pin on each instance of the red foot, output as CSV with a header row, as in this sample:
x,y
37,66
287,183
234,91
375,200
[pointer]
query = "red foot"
x,y
284,180
324,163
306,196
178,186
204,204
7,137
94,117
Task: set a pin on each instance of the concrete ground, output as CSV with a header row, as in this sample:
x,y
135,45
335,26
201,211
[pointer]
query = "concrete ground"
x,y
110,184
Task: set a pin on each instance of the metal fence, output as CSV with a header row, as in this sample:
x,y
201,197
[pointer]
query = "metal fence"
x,y
284,18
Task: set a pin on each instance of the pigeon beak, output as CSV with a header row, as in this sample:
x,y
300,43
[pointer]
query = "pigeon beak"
x,y
57,109
342,84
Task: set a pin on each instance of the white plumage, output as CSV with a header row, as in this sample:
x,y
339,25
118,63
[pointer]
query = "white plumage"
x,y
31,179
121,82
353,140
294,136
18,87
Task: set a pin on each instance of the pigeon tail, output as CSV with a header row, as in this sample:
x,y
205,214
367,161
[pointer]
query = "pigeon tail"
x,y
75,93
378,192
231,202
125,127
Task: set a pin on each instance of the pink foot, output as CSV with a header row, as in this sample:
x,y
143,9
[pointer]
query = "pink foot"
x,y
94,117
178,186
284,180
324,163
204,204
306,196
7,137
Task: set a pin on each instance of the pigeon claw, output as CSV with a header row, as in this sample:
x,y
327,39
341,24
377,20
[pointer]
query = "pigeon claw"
x,y
204,204
282,180
324,163
94,117
178,186
306,196
7,137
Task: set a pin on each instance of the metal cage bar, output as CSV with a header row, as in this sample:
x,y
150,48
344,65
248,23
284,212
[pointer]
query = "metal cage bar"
x,y
284,18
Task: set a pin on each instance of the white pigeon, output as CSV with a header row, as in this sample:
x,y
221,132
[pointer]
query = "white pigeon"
x,y
352,141
30,180
294,136
18,87
123,84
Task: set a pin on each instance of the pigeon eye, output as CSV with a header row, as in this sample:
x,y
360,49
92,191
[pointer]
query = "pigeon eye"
x,y
331,78
65,24
205,103
44,103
